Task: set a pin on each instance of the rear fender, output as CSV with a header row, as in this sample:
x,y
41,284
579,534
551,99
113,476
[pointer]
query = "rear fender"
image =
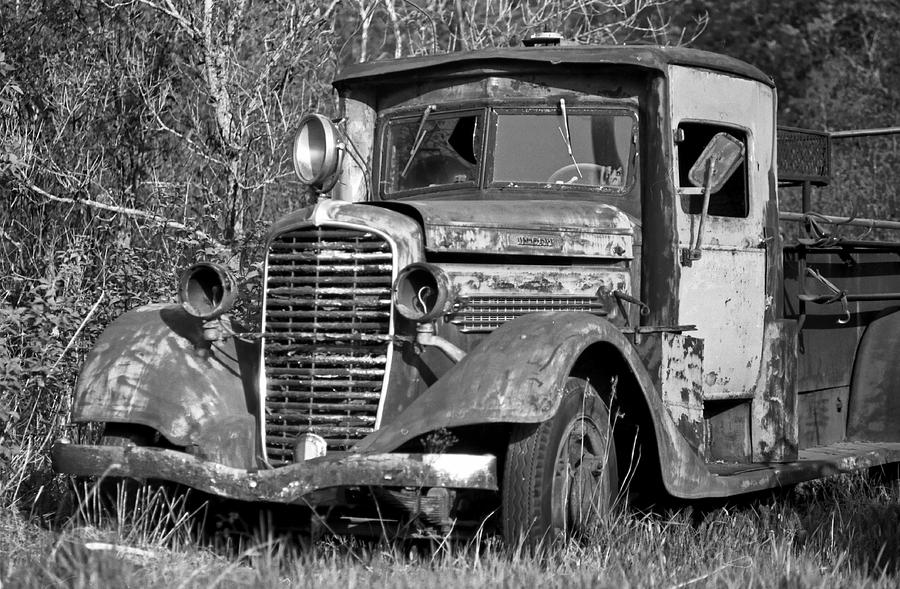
x,y
873,414
145,369
516,375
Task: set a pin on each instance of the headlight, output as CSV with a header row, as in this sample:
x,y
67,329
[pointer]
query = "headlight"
x,y
206,290
316,152
422,292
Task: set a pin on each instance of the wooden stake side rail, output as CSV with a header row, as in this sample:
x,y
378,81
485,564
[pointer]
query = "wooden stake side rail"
x,y
853,133
849,221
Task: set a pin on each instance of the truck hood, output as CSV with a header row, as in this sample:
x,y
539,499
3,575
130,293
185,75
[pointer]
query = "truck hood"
x,y
524,227
521,227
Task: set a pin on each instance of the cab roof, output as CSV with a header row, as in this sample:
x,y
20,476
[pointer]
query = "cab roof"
x,y
640,56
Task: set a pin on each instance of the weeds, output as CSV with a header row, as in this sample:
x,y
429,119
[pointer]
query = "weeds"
x,y
840,532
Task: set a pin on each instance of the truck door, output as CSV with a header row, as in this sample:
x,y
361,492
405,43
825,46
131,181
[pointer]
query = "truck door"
x,y
723,292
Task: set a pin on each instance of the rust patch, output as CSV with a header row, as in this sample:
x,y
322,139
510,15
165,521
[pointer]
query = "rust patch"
x,y
539,243
570,280
542,284
499,283
289,484
724,293
681,375
774,409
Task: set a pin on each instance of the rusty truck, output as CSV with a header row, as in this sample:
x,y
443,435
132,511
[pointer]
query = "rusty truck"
x,y
537,280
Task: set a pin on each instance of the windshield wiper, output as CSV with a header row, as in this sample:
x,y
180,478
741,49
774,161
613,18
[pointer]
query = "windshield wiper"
x,y
420,136
567,137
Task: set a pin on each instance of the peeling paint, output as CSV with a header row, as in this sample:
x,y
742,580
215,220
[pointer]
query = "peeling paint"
x,y
774,410
290,484
533,227
538,242
723,293
680,375
571,280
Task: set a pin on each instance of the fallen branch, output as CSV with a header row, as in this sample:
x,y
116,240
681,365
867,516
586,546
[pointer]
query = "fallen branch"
x,y
127,211
78,331
120,549
708,575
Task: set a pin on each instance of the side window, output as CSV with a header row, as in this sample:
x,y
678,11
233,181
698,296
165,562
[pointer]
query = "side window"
x,y
732,200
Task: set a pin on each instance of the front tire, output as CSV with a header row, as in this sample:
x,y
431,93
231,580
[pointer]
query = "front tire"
x,y
129,434
119,494
561,475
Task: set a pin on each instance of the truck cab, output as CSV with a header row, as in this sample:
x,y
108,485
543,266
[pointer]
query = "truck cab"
x,y
532,275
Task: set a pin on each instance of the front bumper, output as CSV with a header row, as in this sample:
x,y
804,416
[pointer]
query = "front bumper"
x,y
288,484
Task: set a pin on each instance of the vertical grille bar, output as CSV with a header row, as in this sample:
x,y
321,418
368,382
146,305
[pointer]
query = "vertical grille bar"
x,y
327,313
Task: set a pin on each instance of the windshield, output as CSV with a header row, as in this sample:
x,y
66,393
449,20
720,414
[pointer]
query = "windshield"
x,y
433,150
553,148
585,149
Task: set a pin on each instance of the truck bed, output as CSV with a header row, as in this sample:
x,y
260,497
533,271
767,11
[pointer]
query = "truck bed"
x,y
866,275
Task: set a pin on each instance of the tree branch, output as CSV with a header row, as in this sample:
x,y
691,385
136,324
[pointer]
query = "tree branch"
x,y
77,332
434,37
158,219
169,10
462,36
395,26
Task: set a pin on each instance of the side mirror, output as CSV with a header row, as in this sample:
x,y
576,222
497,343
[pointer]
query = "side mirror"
x,y
720,158
317,153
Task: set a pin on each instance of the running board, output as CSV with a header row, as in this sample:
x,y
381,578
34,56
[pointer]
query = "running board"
x,y
812,463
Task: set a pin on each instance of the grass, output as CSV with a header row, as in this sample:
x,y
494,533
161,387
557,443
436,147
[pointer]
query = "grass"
x,y
842,532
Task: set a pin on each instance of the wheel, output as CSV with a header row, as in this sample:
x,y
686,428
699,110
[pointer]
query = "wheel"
x,y
119,494
128,434
560,475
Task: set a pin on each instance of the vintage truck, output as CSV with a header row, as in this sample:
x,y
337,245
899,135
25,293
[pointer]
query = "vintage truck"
x,y
537,280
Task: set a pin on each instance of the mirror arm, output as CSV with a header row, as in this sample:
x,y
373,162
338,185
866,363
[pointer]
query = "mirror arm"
x,y
693,252
705,210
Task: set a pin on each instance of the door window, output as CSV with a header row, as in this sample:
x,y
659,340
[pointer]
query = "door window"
x,y
732,200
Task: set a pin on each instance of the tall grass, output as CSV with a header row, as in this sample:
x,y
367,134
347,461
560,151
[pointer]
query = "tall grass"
x,y
841,532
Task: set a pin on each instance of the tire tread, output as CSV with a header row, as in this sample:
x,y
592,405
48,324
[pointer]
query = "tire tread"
x,y
526,460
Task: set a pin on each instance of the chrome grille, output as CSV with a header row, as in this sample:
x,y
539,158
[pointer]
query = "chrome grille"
x,y
484,313
327,313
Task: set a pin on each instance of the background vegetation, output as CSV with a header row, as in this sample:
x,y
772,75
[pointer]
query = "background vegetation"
x,y
138,136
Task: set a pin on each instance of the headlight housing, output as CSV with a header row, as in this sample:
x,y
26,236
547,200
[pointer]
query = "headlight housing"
x,y
422,292
207,290
317,154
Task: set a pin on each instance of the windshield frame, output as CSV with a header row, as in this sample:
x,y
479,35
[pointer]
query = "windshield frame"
x,y
484,184
414,116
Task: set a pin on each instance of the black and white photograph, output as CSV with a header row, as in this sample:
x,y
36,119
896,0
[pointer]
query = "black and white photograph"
x,y
449,293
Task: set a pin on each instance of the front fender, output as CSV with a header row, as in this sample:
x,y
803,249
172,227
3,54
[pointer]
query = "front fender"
x,y
145,369
516,375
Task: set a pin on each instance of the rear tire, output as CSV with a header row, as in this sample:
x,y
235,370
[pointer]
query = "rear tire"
x,y
561,475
